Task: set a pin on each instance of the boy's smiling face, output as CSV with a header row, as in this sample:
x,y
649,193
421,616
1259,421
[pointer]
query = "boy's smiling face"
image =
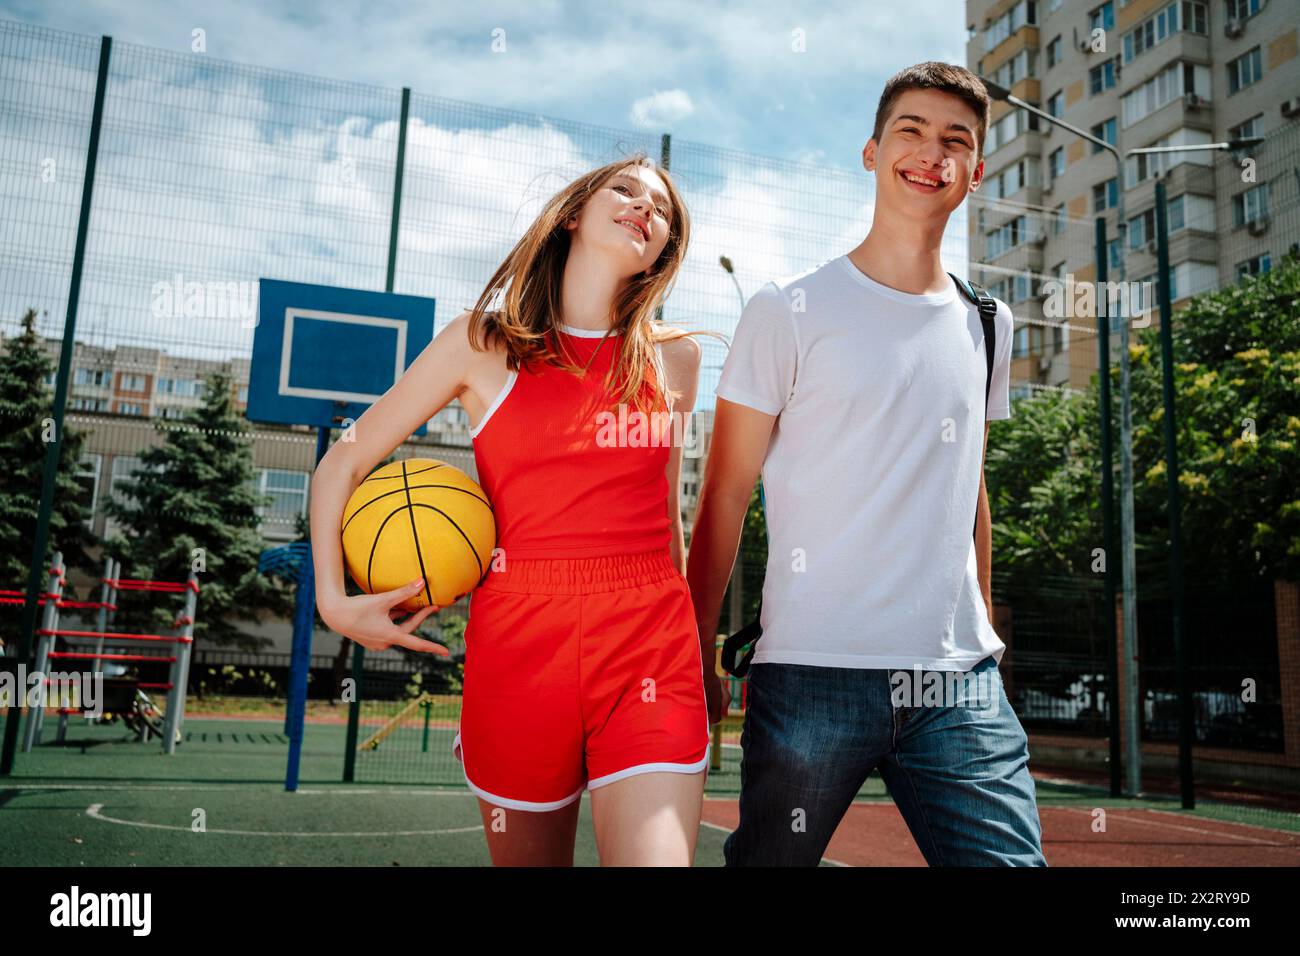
x,y
927,159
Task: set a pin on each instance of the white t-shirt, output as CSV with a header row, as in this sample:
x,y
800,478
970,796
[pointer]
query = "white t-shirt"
x,y
872,474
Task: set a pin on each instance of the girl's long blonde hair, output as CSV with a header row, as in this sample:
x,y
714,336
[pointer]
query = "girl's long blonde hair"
x,y
521,303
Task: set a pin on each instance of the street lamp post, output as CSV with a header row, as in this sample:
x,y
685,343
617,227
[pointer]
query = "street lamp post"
x,y
1133,752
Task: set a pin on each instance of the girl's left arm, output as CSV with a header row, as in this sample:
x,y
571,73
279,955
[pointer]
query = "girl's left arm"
x,y
682,366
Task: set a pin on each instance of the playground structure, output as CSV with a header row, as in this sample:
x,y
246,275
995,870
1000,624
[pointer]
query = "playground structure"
x,y
120,694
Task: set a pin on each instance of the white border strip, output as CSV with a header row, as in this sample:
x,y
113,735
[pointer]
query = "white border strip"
x,y
496,402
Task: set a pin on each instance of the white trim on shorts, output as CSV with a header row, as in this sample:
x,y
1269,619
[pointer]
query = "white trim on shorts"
x,y
650,768
506,802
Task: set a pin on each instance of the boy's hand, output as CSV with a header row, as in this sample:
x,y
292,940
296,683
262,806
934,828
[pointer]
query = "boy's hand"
x,y
717,695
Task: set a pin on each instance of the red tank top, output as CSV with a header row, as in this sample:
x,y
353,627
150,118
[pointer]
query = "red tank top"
x,y
569,473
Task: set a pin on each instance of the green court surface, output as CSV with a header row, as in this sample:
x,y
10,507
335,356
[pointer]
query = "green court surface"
x,y
104,799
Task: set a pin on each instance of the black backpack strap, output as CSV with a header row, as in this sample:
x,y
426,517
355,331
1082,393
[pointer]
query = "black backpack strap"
x,y
738,649
988,307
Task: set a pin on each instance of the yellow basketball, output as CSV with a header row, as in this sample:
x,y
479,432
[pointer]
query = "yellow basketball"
x,y
419,518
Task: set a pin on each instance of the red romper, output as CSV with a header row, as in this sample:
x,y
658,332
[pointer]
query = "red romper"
x,y
582,657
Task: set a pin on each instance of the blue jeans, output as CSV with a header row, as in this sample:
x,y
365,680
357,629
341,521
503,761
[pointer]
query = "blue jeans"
x,y
956,764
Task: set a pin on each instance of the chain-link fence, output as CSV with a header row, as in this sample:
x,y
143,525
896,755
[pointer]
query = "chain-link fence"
x,y
213,174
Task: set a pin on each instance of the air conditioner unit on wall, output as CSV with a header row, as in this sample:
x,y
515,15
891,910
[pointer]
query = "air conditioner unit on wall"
x,y
1151,247
1044,363
1233,28
1291,107
1257,227
1194,101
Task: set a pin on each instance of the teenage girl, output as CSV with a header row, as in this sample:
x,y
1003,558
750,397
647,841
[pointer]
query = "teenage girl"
x,y
583,664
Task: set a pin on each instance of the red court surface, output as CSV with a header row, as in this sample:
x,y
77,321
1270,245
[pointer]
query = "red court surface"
x,y
874,834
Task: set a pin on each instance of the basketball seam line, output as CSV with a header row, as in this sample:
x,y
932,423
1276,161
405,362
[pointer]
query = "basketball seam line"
x,y
398,491
415,535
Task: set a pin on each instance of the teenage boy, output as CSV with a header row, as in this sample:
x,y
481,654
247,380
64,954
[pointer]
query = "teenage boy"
x,y
858,388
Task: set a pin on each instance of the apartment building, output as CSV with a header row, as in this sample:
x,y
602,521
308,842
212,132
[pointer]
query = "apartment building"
x,y
1135,73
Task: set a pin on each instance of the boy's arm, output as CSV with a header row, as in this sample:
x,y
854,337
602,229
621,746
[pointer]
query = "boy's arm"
x,y
739,445
984,536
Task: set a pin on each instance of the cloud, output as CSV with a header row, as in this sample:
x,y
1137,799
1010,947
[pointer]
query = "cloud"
x,y
662,110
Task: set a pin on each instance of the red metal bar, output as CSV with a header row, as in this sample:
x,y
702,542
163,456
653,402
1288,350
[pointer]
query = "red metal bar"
x,y
131,584
110,635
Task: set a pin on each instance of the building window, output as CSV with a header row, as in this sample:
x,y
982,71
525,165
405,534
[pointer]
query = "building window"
x,y
1242,9
129,408
1102,18
1008,128
1056,103
1058,220
1020,342
1254,266
130,382
1250,128
1105,195
1053,52
1007,236
1143,166
1101,77
1140,228
1023,287
1057,162
1016,69
1185,15
1165,87
1251,205
243,395
1017,176
1024,13
1114,255
288,492
1108,131
1244,71
97,377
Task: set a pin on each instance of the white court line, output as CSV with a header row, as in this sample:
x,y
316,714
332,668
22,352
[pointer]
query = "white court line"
x,y
94,811
1174,826
1231,823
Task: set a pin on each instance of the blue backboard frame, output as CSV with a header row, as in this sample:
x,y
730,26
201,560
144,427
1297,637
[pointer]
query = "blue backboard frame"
x,y
322,355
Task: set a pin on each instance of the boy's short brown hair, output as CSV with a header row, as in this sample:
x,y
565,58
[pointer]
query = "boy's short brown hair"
x,y
945,77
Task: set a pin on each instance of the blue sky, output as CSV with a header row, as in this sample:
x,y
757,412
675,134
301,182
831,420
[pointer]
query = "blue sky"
x,y
725,74
210,176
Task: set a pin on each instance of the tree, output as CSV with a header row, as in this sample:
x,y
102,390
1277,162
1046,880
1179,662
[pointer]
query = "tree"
x,y
1237,398
26,428
192,503
1237,395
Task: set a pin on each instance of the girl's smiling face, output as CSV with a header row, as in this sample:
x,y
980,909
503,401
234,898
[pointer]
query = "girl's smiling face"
x,y
629,216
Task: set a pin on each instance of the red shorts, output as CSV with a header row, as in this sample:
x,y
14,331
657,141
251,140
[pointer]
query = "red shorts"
x,y
580,672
